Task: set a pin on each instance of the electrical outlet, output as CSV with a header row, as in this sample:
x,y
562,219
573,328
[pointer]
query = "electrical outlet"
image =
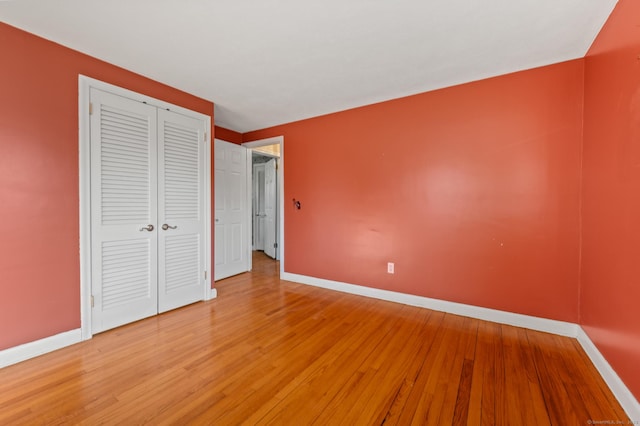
x,y
391,268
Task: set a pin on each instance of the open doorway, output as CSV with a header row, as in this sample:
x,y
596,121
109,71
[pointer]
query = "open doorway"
x,y
264,204
267,216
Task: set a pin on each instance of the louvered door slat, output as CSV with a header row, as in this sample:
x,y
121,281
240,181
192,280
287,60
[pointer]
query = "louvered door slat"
x,y
121,170
182,163
182,261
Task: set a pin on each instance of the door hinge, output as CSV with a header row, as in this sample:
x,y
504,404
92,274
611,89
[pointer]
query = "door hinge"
x,y
204,138
205,275
275,245
92,302
90,108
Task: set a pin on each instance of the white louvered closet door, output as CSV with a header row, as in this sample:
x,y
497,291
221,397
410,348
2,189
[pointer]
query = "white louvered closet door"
x,y
180,209
124,241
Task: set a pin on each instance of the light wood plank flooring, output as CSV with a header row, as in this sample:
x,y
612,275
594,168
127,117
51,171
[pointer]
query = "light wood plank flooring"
x,y
274,352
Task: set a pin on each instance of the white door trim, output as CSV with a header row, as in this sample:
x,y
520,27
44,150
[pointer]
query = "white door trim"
x,y
84,86
272,141
209,293
249,192
271,209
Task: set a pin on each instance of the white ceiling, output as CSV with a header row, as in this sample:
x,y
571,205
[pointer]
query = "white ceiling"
x,y
268,62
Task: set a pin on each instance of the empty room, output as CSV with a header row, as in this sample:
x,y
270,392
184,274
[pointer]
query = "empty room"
x,y
342,212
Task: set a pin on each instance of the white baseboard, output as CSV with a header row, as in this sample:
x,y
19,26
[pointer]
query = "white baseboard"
x,y
39,347
210,293
525,321
29,350
620,390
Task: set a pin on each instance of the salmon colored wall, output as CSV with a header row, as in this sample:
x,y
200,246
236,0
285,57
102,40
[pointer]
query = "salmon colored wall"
x,y
228,135
610,296
473,192
39,219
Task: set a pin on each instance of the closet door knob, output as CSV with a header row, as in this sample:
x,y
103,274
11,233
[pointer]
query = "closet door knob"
x,y
147,228
165,227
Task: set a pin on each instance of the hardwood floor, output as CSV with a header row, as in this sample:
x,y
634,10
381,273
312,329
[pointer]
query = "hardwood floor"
x,y
272,352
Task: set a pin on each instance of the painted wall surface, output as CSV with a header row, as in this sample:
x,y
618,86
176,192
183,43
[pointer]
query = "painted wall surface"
x,y
228,135
472,191
39,201
610,294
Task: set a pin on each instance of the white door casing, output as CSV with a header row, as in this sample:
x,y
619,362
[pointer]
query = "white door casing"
x,y
124,242
280,252
270,208
232,210
181,213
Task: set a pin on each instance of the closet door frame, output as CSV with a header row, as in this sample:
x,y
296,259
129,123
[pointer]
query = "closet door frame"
x,y
84,88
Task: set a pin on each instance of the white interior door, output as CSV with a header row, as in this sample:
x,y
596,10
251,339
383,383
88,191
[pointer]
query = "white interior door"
x,y
124,242
270,208
181,218
231,210
258,207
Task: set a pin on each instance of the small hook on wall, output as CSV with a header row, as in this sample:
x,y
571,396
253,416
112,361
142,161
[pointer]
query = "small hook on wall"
x,y
296,204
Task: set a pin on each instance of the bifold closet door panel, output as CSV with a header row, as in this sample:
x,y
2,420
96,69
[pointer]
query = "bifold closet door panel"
x,y
124,235
181,210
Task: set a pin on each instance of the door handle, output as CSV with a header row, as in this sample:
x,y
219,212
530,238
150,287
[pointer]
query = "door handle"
x,y
147,228
165,227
